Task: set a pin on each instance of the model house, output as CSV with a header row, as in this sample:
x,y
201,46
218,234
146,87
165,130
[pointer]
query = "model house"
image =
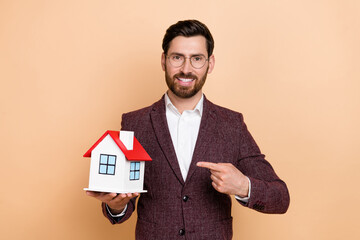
x,y
117,163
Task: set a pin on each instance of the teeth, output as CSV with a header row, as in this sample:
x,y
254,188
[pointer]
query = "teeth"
x,y
185,79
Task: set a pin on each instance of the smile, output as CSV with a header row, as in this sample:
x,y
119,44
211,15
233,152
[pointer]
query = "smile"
x,y
185,79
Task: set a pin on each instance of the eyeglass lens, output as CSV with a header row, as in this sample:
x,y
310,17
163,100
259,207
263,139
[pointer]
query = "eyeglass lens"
x,y
197,61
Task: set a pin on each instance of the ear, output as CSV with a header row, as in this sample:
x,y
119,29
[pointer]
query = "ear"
x,y
163,61
211,63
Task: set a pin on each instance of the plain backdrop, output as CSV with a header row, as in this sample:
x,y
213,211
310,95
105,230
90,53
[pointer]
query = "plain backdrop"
x,y
69,69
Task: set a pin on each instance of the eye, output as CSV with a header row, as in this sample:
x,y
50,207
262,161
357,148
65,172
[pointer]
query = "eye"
x,y
176,57
197,58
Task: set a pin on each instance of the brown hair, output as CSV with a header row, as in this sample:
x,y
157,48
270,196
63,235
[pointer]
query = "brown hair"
x,y
188,28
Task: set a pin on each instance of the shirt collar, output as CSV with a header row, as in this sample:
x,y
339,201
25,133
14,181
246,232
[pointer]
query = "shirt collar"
x,y
198,108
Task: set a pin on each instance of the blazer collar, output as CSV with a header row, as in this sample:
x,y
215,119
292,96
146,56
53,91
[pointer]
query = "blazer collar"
x,y
161,128
205,136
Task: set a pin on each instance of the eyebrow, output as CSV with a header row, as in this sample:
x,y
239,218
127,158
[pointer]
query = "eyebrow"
x,y
193,55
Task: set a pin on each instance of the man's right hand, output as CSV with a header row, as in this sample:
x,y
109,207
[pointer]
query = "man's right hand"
x,y
116,202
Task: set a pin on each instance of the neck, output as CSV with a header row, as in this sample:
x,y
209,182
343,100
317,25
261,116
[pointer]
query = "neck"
x,y
183,104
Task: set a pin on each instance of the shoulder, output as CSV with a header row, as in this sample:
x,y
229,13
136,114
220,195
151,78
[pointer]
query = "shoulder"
x,y
222,113
145,110
141,115
137,113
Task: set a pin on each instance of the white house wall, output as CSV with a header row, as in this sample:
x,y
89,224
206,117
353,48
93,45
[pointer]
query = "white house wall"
x,y
134,185
102,181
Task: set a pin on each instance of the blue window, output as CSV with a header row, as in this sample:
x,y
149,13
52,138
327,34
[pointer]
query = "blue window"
x,y
107,164
134,170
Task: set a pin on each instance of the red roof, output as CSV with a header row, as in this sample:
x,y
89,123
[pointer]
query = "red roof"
x,y
137,154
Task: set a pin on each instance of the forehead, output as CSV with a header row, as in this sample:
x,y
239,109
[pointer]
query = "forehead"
x,y
188,45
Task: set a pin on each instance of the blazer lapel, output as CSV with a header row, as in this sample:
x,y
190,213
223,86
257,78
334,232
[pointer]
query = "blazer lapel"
x,y
159,122
204,140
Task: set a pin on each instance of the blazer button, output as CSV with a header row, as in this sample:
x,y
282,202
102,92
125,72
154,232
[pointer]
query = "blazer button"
x,y
182,232
185,198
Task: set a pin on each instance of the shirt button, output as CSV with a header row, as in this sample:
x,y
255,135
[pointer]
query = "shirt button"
x,y
185,198
182,232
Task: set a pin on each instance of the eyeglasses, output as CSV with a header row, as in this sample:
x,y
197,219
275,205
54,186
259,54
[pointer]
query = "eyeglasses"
x,y
177,60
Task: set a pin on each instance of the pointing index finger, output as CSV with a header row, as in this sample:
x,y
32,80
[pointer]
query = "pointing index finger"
x,y
209,165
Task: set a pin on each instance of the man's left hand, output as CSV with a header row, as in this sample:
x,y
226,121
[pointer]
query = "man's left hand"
x,y
226,178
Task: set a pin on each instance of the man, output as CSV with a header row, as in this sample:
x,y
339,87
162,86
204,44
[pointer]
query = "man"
x,y
202,153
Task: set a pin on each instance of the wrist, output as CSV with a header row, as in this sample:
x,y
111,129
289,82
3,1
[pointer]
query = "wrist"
x,y
244,189
115,211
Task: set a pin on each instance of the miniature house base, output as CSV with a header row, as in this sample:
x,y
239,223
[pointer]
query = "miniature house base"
x,y
113,190
117,163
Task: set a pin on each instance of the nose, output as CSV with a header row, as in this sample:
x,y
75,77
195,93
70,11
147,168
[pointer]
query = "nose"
x,y
186,67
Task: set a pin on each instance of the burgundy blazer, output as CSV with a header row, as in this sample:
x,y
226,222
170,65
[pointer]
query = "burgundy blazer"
x,y
192,209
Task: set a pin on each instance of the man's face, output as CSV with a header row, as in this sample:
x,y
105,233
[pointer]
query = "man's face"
x,y
186,81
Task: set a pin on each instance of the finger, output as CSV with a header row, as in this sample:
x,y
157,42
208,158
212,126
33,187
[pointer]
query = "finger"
x,y
92,194
209,165
126,196
215,178
103,196
95,194
100,195
123,198
122,195
218,173
215,186
132,195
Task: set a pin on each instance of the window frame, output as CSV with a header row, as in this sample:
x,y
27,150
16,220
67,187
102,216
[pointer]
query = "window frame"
x,y
134,171
107,165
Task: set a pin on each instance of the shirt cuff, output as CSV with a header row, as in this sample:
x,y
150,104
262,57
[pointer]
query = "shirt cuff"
x,y
245,199
116,215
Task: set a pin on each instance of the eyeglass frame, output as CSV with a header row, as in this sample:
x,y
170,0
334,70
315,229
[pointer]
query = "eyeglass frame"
x,y
195,55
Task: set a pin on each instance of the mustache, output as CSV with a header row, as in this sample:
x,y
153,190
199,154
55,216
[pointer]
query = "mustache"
x,y
183,75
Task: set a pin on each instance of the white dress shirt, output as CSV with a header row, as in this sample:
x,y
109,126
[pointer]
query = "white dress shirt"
x,y
184,129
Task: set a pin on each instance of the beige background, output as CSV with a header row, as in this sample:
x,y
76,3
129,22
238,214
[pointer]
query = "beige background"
x,y
70,68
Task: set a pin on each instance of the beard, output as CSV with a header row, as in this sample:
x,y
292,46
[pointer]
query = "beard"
x,y
183,91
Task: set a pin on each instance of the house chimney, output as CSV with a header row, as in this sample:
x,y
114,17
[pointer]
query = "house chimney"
x,y
127,138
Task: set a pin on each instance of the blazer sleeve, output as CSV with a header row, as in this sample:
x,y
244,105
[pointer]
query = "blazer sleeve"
x,y
116,220
269,194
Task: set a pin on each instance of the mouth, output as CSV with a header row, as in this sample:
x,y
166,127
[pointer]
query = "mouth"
x,y
185,80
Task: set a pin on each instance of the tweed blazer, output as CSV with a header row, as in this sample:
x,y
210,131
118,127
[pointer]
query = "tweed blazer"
x,y
192,209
